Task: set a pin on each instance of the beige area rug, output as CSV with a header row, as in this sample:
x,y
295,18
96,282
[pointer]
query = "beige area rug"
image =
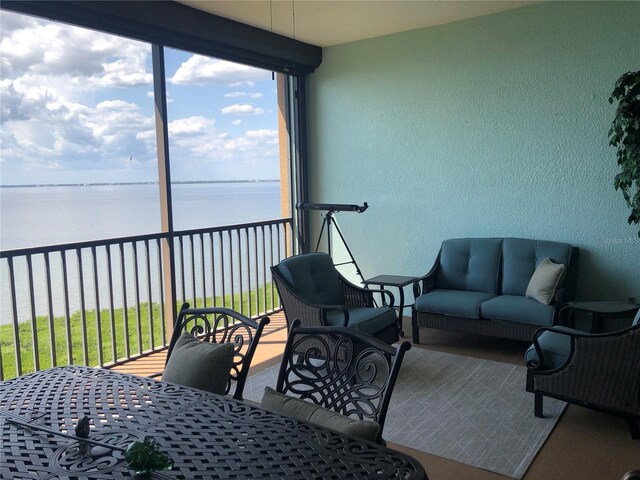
x,y
469,410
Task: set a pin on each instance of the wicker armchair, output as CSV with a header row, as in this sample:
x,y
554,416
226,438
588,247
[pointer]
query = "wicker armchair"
x,y
312,290
599,371
329,373
218,326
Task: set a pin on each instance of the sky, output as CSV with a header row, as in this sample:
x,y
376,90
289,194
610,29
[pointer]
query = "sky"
x,y
77,107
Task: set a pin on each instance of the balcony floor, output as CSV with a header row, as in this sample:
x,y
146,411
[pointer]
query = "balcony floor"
x,y
584,444
268,353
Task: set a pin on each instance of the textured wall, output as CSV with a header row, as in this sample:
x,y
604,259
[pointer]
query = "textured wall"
x,y
495,126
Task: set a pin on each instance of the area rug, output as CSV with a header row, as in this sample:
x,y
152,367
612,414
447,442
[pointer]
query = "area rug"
x,y
469,410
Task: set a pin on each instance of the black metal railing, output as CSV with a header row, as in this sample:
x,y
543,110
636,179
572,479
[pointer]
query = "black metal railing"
x,y
104,302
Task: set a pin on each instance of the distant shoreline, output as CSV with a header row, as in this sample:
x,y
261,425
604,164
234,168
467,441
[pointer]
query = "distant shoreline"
x,y
106,184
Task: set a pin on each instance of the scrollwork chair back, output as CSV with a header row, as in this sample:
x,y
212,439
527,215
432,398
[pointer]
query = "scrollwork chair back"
x,y
222,325
341,369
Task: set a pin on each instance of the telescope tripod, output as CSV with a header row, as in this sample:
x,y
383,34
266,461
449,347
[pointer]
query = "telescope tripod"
x,y
329,222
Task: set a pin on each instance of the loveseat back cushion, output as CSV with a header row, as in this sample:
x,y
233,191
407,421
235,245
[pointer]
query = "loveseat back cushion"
x,y
470,264
521,256
313,277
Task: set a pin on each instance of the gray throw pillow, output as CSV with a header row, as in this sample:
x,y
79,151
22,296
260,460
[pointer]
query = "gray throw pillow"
x,y
309,412
543,283
197,364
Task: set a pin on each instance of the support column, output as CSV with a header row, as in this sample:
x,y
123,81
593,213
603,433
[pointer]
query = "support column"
x,y
164,182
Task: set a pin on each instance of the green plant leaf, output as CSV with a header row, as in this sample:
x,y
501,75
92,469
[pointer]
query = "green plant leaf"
x,y
624,135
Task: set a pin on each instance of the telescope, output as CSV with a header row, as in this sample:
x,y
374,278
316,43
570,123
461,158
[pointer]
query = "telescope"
x,y
332,207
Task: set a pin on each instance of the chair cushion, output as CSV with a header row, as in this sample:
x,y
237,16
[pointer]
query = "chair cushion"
x,y
514,308
471,264
543,283
452,302
197,364
366,320
313,277
309,412
556,349
521,256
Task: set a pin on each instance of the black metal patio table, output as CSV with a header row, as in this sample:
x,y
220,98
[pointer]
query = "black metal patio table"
x,y
207,436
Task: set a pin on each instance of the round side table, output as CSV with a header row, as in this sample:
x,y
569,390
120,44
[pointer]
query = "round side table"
x,y
606,316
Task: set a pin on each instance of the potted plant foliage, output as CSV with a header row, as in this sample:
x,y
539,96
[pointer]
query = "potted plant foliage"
x,y
625,136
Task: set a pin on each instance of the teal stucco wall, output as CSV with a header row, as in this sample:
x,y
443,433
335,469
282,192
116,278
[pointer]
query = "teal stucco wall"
x,y
494,126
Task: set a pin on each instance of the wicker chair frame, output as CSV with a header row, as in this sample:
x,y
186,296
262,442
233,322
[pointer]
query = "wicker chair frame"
x,y
314,315
601,373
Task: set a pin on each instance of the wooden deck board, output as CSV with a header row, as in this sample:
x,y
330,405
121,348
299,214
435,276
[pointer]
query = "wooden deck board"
x,y
268,353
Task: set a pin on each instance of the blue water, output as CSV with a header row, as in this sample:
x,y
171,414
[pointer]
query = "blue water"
x,y
38,216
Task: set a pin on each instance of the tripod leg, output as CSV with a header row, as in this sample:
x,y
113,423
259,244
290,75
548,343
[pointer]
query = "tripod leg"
x,y
324,223
353,260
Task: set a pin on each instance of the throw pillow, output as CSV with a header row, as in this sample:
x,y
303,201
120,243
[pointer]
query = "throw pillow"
x,y
309,412
197,364
544,281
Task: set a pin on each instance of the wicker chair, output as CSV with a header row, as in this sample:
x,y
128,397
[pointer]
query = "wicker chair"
x,y
221,325
599,371
340,370
312,290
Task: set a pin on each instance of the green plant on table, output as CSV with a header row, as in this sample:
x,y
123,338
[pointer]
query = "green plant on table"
x,y
625,136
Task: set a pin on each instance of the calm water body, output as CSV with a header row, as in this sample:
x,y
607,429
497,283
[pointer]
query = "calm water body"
x,y
37,216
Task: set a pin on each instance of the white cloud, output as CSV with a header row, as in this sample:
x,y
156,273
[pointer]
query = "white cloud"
x,y
87,59
243,94
236,122
245,109
200,70
190,126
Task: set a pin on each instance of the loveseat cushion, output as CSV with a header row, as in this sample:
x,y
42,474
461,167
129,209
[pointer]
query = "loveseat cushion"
x,y
470,264
314,277
452,302
514,308
366,320
521,256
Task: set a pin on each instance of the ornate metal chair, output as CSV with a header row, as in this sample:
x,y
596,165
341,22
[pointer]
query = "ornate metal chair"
x,y
219,326
595,370
340,370
312,290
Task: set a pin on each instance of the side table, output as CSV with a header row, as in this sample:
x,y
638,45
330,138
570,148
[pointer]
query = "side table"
x,y
398,281
610,315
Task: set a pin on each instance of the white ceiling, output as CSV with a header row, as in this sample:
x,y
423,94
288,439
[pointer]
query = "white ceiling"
x,y
331,22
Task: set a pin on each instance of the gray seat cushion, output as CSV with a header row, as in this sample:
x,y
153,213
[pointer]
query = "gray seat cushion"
x,y
521,256
366,320
470,264
313,277
197,364
513,308
452,302
556,349
309,412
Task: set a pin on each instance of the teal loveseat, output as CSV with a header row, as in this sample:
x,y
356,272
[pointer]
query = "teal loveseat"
x,y
480,286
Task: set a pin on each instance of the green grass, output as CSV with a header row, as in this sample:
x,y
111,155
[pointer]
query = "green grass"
x,y
25,334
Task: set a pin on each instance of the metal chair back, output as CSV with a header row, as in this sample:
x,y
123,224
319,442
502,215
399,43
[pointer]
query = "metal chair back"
x,y
222,325
341,369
